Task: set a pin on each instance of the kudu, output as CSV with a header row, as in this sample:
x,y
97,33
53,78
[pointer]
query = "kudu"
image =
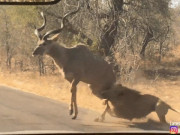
x,y
76,63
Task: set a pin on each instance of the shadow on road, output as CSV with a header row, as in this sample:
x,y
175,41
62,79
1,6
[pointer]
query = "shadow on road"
x,y
150,125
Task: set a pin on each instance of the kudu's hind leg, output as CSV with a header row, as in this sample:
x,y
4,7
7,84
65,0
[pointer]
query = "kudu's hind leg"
x,y
73,105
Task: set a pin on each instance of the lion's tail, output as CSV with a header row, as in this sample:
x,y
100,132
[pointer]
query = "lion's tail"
x,y
174,109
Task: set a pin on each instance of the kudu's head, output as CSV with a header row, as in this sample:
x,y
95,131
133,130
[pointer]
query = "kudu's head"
x,y
49,38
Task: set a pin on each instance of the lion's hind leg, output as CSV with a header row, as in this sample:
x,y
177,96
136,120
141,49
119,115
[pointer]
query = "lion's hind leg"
x,y
161,109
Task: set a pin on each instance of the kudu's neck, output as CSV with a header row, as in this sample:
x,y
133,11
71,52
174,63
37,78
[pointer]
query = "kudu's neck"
x,y
58,53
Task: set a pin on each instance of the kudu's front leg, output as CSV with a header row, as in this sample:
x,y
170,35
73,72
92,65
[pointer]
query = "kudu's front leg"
x,y
73,105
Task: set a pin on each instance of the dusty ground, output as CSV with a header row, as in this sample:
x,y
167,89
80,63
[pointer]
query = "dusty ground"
x,y
163,82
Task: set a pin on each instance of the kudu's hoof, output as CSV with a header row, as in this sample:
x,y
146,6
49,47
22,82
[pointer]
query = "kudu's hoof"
x,y
99,119
71,112
74,117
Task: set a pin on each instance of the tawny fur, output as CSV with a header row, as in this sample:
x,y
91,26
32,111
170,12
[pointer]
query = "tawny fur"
x,y
130,104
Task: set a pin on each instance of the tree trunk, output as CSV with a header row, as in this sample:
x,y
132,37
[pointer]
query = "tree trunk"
x,y
145,42
53,67
41,66
21,65
109,31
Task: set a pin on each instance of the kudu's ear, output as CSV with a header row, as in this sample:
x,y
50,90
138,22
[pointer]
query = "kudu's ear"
x,y
54,38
